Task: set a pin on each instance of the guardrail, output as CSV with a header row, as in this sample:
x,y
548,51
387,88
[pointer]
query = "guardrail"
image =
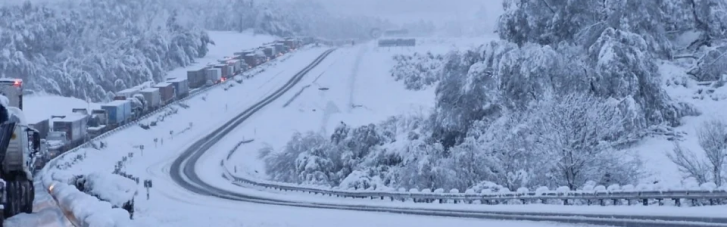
x,y
564,197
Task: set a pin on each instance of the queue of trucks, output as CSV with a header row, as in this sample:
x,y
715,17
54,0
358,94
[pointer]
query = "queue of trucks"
x,y
62,133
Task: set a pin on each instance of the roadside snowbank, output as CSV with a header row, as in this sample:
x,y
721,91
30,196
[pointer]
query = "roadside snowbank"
x,y
86,209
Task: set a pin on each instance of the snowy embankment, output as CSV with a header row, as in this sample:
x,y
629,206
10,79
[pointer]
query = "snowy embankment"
x,y
91,160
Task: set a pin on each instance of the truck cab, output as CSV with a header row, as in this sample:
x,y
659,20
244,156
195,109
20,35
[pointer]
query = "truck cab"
x,y
13,90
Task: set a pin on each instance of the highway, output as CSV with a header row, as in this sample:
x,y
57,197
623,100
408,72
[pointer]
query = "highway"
x,y
183,172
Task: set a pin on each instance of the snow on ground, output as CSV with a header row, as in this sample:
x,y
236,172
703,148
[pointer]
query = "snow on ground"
x,y
712,105
360,90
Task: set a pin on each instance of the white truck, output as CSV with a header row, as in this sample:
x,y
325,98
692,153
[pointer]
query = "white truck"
x,y
19,145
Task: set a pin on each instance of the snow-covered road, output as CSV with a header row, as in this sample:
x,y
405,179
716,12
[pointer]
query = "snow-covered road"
x,y
209,170
171,205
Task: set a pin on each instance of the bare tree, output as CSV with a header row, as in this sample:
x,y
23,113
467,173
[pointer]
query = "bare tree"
x,y
689,163
577,132
712,138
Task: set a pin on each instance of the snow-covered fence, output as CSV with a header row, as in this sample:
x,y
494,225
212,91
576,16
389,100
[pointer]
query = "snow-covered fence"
x,y
600,195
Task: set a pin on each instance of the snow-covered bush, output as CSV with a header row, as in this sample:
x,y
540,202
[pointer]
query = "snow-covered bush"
x,y
589,185
542,190
114,189
709,186
523,190
361,180
301,161
418,71
614,187
564,189
487,187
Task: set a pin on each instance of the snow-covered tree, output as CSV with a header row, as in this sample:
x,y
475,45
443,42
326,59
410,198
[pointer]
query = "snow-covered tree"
x,y
689,164
90,49
577,133
301,161
418,71
712,138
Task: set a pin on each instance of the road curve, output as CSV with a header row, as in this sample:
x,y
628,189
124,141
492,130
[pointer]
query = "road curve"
x,y
183,173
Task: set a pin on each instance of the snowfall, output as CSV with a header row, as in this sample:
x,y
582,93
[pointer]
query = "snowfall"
x,y
352,85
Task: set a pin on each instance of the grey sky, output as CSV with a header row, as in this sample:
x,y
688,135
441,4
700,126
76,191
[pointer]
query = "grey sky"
x,y
411,10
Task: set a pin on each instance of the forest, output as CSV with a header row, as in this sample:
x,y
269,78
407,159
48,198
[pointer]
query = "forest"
x,y
90,49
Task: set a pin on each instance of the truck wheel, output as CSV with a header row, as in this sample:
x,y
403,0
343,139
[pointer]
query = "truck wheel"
x,y
28,195
13,203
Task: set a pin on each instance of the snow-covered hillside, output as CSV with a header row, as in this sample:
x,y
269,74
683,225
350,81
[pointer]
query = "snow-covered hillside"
x,y
530,110
710,98
90,49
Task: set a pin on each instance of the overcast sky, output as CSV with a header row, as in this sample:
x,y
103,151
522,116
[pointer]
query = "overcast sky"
x,y
412,10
